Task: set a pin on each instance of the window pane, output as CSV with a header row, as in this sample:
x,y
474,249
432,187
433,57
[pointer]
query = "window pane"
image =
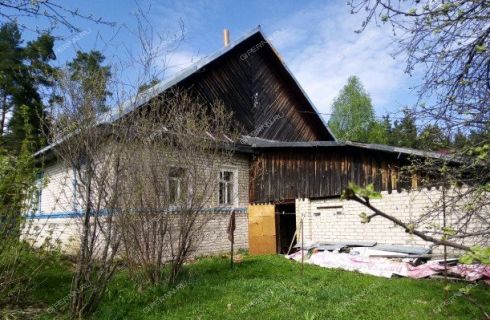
x,y
227,175
221,193
226,187
176,175
176,172
173,190
230,193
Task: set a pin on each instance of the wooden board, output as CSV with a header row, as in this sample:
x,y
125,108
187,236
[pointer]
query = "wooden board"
x,y
285,174
261,229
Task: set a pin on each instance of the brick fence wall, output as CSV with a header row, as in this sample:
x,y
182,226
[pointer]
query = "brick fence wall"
x,y
338,220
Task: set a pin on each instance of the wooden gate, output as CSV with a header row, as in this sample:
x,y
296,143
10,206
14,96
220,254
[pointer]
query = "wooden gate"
x,y
261,229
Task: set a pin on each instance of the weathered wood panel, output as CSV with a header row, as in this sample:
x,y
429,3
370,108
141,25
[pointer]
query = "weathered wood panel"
x,y
263,96
290,173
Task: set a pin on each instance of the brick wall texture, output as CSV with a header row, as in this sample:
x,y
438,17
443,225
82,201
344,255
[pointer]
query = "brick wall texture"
x,y
57,198
338,220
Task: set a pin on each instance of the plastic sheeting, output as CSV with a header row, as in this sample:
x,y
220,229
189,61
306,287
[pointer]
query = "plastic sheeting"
x,y
386,268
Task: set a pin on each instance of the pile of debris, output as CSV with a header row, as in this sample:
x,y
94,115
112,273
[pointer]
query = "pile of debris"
x,y
385,260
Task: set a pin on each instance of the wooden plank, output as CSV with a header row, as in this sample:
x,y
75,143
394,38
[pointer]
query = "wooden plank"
x,y
316,172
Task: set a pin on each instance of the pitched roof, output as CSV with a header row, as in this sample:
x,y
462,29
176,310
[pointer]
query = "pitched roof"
x,y
259,143
144,97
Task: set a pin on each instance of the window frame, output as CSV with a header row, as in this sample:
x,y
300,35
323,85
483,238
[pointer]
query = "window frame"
x,y
234,182
38,192
179,179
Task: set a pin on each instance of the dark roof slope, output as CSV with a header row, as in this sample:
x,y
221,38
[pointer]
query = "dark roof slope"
x,y
258,143
256,41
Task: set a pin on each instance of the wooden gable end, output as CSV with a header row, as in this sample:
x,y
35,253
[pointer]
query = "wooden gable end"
x,y
251,80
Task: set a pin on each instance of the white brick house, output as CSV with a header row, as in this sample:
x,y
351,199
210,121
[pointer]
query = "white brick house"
x,y
288,157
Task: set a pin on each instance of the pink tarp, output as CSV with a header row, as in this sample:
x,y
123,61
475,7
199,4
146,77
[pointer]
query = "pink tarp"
x,y
384,267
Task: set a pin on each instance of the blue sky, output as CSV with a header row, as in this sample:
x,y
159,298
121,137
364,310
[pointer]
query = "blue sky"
x,y
315,38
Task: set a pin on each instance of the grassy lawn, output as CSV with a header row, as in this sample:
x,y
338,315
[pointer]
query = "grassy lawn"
x,y
267,287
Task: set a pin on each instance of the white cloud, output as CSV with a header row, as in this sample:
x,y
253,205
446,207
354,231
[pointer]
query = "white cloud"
x,y
179,60
321,48
319,45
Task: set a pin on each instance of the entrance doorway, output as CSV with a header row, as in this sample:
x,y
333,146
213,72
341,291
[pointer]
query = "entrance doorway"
x,y
285,226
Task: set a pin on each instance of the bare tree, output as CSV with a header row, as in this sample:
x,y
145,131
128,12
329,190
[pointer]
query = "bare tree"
x,y
179,146
147,171
449,41
91,148
54,12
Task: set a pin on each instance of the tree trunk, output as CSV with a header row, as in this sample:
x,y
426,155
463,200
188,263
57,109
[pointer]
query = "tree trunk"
x,y
4,114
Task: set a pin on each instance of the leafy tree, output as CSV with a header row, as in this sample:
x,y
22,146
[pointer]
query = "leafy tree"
x,y
459,140
25,72
387,124
451,41
10,65
17,174
92,76
378,132
353,115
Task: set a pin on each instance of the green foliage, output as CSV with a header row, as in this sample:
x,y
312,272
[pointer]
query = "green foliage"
x,y
367,192
17,174
23,272
412,12
480,154
477,254
353,115
480,48
432,138
404,131
92,76
146,86
25,71
364,217
448,231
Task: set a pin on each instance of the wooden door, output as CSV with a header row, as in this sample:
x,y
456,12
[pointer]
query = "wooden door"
x,y
261,229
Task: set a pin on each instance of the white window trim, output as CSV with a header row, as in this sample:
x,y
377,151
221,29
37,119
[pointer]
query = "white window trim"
x,y
188,190
234,170
38,196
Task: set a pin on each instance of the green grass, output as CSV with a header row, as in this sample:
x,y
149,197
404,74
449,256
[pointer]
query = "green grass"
x,y
268,287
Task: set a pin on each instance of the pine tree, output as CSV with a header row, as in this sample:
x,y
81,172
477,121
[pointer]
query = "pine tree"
x,y
404,132
25,72
92,77
433,138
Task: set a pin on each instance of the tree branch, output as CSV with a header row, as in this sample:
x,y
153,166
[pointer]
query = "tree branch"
x,y
405,226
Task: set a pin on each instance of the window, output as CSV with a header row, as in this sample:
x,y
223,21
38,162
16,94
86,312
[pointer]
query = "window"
x,y
38,193
176,185
226,187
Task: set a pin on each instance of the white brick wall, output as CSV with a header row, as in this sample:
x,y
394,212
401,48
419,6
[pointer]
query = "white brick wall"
x,y
59,233
57,190
338,220
57,199
216,240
